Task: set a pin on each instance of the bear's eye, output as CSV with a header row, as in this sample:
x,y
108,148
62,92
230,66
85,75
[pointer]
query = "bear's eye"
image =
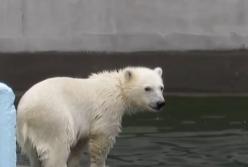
x,y
161,88
148,89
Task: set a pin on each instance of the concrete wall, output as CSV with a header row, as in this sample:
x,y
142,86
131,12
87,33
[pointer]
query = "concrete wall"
x,y
122,25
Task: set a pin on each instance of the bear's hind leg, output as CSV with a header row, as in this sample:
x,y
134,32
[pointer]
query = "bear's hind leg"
x,y
57,156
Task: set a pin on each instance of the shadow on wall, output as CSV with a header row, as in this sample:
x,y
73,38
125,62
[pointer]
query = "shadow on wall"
x,y
219,72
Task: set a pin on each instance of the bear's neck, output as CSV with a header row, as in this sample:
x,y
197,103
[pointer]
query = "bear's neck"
x,y
113,90
112,102
130,107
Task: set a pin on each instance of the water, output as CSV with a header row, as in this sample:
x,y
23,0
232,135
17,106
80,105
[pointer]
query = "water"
x,y
177,149
191,132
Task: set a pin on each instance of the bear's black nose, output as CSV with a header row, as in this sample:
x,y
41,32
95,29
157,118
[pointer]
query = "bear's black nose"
x,y
160,104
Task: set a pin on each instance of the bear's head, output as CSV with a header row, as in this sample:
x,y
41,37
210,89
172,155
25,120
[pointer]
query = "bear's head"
x,y
143,88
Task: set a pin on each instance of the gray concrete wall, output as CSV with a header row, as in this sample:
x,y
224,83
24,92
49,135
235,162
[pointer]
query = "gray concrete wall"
x,y
122,25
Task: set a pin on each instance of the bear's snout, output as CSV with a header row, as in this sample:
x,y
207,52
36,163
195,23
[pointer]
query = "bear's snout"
x,y
160,104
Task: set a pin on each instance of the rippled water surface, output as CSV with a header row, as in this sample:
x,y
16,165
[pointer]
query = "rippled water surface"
x,y
219,148
190,132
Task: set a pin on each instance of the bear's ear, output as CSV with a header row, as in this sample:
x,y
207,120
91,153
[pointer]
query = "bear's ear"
x,y
159,70
128,74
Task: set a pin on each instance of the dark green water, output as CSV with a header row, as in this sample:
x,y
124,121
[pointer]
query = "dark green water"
x,y
190,132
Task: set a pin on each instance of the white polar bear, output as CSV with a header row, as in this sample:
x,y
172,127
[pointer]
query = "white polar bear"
x,y
58,117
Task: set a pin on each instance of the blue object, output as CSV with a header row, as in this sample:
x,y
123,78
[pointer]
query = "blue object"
x,y
7,127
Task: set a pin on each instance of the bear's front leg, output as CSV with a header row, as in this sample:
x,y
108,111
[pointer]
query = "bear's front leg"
x,y
99,147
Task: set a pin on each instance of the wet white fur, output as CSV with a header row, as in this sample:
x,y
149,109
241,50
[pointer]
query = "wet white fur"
x,y
58,117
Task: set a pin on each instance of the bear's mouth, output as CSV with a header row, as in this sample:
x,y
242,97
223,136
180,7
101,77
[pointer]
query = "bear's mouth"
x,y
154,108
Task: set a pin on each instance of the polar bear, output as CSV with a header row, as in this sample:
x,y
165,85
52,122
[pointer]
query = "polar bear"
x,y
58,117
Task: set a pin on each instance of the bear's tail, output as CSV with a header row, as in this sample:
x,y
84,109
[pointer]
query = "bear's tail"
x,y
21,135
